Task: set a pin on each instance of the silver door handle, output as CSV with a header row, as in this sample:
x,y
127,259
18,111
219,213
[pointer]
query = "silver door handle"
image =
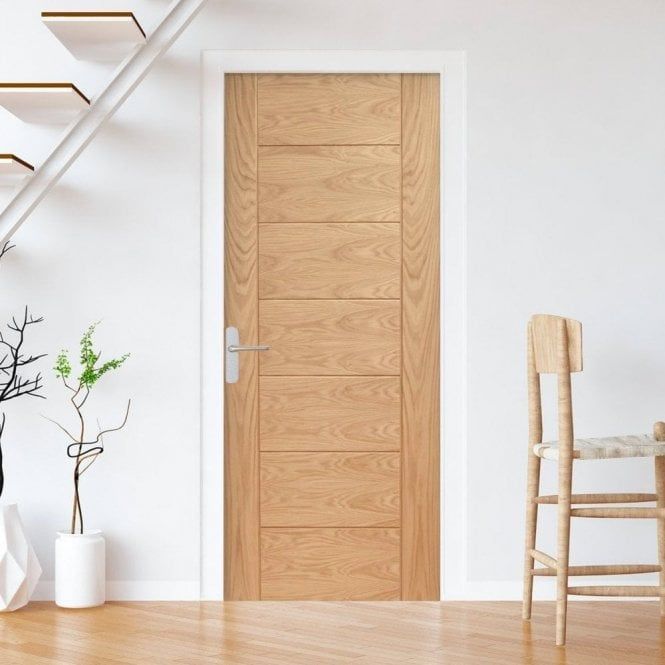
x,y
234,348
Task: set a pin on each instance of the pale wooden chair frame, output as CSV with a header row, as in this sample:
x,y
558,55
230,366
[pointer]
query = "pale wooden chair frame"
x,y
554,345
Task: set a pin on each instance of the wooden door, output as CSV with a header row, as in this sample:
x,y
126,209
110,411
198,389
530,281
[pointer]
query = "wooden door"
x,y
332,259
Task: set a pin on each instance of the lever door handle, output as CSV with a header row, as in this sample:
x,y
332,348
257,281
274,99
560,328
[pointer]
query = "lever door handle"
x,y
234,348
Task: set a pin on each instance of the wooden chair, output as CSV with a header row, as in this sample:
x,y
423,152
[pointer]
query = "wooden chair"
x,y
555,347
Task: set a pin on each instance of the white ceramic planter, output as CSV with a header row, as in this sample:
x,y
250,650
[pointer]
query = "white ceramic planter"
x,y
19,567
80,569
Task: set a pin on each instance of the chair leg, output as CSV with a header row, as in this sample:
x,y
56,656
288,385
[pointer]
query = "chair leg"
x,y
532,490
563,547
660,492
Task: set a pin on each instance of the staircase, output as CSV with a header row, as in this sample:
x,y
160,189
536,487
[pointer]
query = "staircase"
x,y
96,36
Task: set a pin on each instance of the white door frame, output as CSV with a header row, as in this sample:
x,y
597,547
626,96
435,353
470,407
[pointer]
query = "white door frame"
x,y
451,65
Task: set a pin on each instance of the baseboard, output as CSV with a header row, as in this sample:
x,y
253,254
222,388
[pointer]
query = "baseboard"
x,y
544,589
135,590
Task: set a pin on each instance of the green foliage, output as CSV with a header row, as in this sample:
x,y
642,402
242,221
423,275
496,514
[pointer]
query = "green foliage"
x,y
63,368
91,372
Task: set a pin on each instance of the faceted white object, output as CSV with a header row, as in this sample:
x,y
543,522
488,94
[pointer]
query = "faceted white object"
x,y
80,569
19,567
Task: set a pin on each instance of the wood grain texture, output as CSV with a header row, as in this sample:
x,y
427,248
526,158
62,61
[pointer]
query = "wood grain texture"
x,y
565,471
602,569
618,512
620,497
330,489
330,260
533,473
659,469
618,590
330,633
327,564
325,109
342,236
543,558
330,337
329,184
241,446
545,335
420,337
330,413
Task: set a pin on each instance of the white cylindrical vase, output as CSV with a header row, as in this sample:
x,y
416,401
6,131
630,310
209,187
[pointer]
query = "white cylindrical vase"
x,y
19,568
80,569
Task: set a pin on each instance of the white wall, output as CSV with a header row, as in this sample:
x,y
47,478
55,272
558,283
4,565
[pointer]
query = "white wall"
x,y
565,214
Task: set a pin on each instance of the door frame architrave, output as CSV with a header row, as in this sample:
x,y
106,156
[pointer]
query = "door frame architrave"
x,y
451,66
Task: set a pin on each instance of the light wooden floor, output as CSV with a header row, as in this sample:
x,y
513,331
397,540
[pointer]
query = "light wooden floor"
x,y
259,633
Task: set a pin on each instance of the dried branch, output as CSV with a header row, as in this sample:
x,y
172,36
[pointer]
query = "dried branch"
x,y
111,429
13,383
80,454
5,248
57,424
93,458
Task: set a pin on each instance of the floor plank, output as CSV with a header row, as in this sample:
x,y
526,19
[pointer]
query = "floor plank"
x,y
359,633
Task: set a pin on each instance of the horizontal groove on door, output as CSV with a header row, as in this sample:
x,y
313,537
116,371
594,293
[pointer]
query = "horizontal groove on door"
x,y
330,221
318,109
328,183
326,376
330,260
330,564
307,145
341,301
330,489
324,299
330,413
335,337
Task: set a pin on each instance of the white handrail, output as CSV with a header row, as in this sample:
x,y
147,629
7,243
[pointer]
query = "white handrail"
x,y
77,137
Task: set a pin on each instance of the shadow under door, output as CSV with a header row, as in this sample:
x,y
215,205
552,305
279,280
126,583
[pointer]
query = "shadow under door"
x,y
332,261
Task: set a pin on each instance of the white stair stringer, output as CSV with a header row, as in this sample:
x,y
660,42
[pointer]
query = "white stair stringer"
x,y
77,137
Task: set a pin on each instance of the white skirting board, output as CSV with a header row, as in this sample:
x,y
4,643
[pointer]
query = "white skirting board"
x,y
544,589
135,590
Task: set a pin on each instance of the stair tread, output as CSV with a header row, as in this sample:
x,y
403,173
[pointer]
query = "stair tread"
x,y
37,86
94,15
40,102
105,36
13,169
8,156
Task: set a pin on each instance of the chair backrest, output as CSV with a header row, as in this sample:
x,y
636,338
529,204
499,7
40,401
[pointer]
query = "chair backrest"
x,y
554,347
549,342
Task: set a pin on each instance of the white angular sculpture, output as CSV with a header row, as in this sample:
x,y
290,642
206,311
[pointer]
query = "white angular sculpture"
x,y
19,567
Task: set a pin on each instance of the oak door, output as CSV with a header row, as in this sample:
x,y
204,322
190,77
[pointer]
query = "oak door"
x,y
332,260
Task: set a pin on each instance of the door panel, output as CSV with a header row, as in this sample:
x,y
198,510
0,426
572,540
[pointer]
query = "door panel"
x,y
330,413
324,337
320,109
329,184
330,489
330,261
330,564
241,432
420,320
